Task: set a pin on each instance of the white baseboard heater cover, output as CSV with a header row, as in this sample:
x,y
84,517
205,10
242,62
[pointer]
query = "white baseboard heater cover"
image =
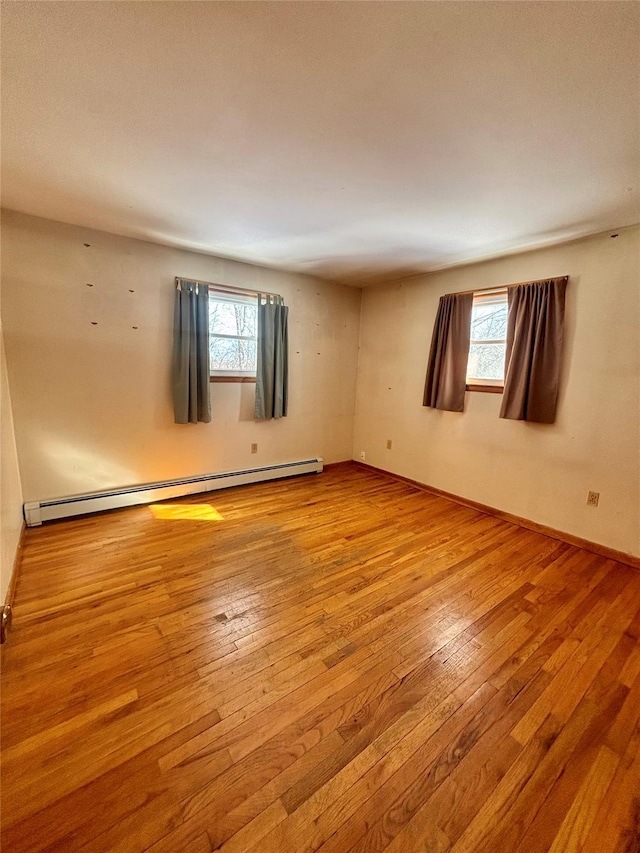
x,y
35,512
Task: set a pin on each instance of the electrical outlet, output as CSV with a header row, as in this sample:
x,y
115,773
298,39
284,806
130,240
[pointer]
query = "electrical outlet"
x,y
388,444
593,498
254,448
362,455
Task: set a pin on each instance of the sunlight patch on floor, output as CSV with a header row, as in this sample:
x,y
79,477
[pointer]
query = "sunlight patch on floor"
x,y
185,512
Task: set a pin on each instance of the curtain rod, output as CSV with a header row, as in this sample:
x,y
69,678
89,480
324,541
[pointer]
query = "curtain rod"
x,y
225,288
502,287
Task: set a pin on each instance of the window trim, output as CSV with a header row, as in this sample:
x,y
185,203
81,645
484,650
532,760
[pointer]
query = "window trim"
x,y
486,386
235,377
224,296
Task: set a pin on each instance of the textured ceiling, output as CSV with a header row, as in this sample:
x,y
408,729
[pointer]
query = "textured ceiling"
x,y
354,141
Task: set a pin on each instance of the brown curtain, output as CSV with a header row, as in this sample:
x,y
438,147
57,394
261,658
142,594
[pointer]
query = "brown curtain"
x,y
447,369
534,345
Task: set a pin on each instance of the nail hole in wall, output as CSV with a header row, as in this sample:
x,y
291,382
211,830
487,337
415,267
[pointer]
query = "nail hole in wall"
x,y
93,323
87,245
89,285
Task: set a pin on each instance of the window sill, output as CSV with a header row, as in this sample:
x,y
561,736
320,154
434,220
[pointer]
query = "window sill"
x,y
232,379
485,389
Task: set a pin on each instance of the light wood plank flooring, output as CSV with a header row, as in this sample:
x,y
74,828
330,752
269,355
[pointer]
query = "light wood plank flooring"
x,y
337,662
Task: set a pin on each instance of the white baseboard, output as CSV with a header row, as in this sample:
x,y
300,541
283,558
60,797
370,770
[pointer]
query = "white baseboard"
x,y
35,512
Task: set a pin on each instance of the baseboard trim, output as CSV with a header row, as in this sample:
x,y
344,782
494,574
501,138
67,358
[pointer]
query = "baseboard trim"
x,y
569,538
332,465
7,607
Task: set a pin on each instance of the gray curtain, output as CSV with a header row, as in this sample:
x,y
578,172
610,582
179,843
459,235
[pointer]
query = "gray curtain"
x,y
534,347
272,374
190,378
447,369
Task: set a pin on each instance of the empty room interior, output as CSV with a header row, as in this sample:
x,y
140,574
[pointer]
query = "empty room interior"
x,y
320,481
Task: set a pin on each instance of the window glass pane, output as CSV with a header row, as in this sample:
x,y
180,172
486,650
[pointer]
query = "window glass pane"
x,y
232,354
486,361
232,318
228,316
489,321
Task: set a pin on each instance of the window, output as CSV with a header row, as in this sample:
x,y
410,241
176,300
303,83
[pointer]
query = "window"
x,y
485,368
232,337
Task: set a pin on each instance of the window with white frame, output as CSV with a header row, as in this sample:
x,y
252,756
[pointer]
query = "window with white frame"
x,y
485,367
233,321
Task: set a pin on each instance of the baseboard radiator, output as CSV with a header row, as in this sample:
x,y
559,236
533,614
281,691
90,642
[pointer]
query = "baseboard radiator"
x,y
35,512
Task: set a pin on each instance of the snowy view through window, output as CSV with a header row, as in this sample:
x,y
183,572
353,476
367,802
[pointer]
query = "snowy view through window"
x,y
488,334
232,330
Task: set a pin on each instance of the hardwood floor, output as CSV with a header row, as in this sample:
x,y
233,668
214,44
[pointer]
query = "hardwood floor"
x,y
336,662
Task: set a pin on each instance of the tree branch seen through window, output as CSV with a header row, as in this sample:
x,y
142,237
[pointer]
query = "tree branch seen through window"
x,y
232,335
488,339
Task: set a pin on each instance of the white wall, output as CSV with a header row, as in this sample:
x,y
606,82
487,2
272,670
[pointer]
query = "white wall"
x,y
92,404
10,488
92,408
537,471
